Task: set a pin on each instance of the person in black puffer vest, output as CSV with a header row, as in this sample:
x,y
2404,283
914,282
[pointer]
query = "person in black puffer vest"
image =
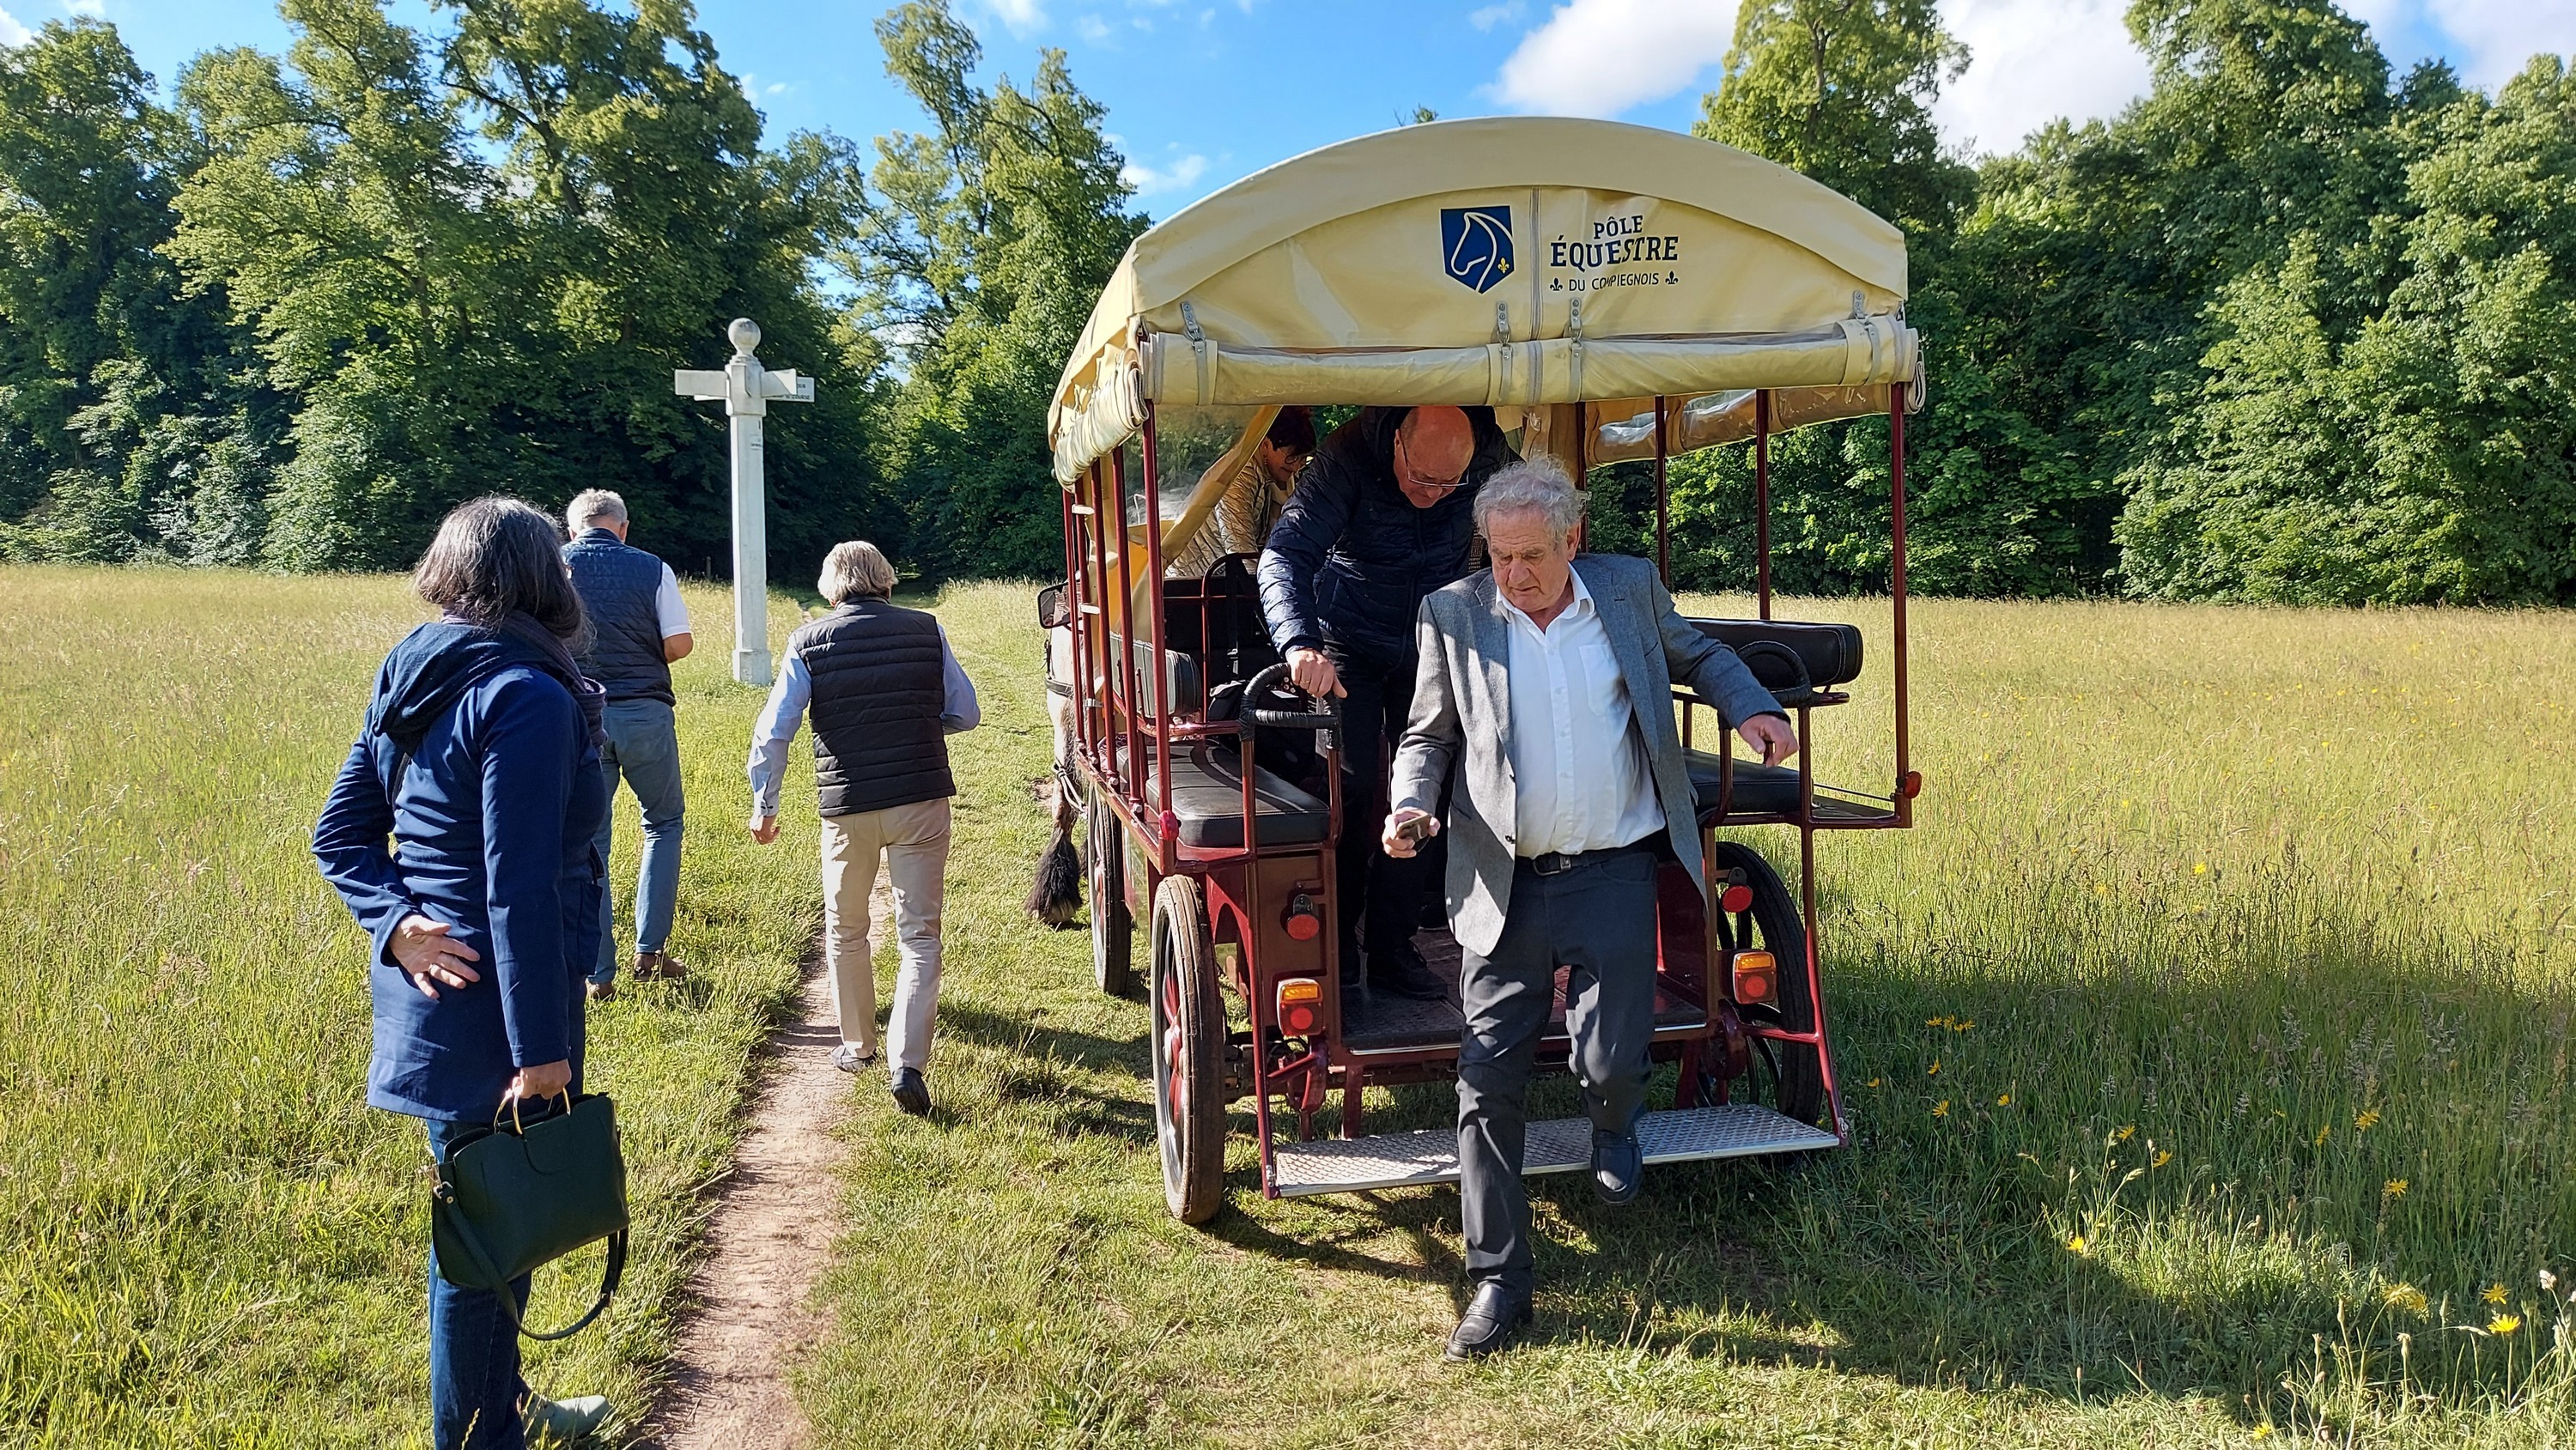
x,y
1382,517
886,692
639,628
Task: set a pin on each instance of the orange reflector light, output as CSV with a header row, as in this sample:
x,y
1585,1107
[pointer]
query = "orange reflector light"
x,y
1757,978
1303,922
1301,1005
1736,898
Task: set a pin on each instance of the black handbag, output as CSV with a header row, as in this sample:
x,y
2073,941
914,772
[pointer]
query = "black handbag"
x,y
511,1198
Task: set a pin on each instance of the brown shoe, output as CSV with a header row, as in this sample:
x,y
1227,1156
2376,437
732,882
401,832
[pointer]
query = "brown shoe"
x,y
658,967
600,991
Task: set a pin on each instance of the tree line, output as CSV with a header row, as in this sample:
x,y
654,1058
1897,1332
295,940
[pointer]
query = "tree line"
x,y
2291,327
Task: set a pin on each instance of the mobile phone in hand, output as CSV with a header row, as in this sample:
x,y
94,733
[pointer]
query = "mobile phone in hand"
x,y
1415,829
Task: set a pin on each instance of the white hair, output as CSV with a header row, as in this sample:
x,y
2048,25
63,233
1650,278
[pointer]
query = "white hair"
x,y
855,570
1533,485
593,507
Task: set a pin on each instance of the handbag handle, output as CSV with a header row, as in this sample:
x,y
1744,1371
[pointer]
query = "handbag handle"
x,y
608,1280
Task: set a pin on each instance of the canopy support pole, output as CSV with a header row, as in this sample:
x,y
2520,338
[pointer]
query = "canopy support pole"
x,y
1896,589
1663,500
1762,496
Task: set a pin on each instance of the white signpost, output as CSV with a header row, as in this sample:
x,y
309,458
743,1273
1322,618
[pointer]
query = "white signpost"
x,y
747,389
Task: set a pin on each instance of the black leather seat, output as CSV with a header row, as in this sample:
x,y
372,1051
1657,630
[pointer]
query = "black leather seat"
x,y
1790,658
1759,790
1207,796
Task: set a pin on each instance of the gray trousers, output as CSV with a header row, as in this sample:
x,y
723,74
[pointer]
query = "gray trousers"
x,y
1597,919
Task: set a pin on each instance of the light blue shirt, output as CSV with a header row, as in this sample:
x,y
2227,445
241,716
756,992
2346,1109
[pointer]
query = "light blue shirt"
x,y
785,715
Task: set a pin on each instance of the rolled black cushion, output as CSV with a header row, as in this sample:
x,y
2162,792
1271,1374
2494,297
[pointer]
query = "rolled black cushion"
x,y
1759,790
1830,652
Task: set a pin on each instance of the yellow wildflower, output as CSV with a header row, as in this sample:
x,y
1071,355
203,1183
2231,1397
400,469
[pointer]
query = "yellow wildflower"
x,y
1941,1109
1873,1082
2125,1130
2494,1294
2393,1188
2101,888
2262,1431
2504,1324
2005,1101
2406,1297
2368,1120
2199,868
2322,1131
1934,1070
2163,1158
2076,1244
1968,1026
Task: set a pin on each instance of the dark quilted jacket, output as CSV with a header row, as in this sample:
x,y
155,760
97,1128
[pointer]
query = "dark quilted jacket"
x,y
1352,558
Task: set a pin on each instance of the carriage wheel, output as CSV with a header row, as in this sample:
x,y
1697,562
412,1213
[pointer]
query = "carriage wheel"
x,y
1189,1048
1113,931
1787,1076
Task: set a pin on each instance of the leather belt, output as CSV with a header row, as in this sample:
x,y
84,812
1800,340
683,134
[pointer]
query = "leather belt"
x,y
1557,863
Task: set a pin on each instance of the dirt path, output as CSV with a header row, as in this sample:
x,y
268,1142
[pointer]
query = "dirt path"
x,y
768,1243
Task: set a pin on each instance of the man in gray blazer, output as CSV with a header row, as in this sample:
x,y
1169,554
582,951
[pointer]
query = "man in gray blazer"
x,y
1541,709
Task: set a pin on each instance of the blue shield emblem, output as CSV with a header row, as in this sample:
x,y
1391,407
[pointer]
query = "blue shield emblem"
x,y
1476,245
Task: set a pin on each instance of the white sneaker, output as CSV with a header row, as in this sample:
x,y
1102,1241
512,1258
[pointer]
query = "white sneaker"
x,y
848,1058
564,1422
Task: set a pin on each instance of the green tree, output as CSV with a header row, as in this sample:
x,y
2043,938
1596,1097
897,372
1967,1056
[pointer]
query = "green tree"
x,y
132,418
983,243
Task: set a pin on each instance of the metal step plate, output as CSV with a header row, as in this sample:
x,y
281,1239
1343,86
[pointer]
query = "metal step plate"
x,y
1559,1145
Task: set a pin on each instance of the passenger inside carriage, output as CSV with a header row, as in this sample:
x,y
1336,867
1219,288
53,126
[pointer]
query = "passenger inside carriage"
x,y
1380,519
1251,504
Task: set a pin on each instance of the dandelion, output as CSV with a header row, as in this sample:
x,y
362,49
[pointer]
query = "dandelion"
x,y
2199,868
2262,1432
2504,1324
1873,1082
2406,1297
2126,1129
2005,1101
2075,1245
2101,888
1934,1070
2163,1158
2393,1188
2368,1120
1968,1026
2323,1131
2493,1294
1941,1109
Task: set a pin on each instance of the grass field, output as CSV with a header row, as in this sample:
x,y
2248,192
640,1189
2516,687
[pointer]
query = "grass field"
x,y
2285,896
2206,1044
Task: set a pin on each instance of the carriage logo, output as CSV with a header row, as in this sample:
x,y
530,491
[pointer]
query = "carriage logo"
x,y
1476,245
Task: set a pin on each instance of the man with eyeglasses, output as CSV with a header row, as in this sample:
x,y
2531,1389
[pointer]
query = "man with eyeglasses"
x,y
1383,516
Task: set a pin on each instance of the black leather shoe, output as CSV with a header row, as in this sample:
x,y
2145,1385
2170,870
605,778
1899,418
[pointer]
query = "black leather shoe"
x,y
910,1093
1617,1165
1493,1316
1400,971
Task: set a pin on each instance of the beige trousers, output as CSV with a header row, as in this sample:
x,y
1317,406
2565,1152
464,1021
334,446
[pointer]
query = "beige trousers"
x,y
914,840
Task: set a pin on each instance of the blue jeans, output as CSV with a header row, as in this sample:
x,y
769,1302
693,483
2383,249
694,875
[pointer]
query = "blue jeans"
x,y
643,745
474,1384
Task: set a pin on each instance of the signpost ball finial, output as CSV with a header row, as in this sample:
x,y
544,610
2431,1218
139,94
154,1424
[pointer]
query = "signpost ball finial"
x,y
745,334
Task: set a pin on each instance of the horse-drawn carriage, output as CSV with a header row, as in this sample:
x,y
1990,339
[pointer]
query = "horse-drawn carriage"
x,y
1611,293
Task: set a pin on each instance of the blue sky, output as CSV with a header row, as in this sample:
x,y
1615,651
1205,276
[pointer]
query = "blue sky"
x,y
1201,92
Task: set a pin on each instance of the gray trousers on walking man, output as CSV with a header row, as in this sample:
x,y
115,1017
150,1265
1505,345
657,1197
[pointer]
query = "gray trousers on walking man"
x,y
1597,919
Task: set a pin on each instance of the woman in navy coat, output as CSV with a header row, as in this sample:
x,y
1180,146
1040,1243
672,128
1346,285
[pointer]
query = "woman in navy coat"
x,y
480,759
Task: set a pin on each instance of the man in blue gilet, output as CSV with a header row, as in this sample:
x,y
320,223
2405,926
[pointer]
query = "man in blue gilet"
x,y
638,626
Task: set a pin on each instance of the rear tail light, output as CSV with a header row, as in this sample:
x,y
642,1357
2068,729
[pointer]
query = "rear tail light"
x,y
1304,922
1735,899
1757,979
1301,1006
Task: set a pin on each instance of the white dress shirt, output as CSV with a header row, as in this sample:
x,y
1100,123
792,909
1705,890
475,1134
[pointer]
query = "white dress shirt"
x,y
1579,772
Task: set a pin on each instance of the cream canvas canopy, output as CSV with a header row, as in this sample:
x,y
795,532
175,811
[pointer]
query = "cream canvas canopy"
x,y
1522,263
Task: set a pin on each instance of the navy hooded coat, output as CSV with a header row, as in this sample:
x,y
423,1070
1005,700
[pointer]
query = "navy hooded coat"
x,y
499,799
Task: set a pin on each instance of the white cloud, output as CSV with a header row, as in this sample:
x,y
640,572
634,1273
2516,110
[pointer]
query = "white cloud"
x,y
1493,15
1601,57
1180,175
2492,41
1020,17
94,9
2032,61
11,32
1092,28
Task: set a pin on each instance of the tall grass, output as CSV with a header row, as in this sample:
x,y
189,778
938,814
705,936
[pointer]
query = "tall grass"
x,y
2205,1044
205,1238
